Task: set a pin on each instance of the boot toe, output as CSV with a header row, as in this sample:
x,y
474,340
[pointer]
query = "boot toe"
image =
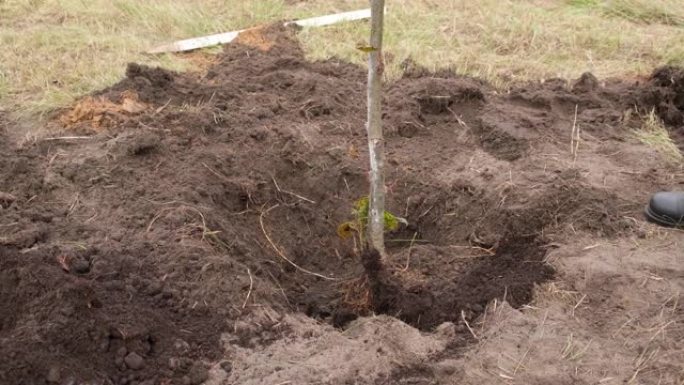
x,y
667,208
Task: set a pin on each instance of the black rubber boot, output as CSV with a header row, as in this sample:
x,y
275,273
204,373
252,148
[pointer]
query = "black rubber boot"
x,y
667,208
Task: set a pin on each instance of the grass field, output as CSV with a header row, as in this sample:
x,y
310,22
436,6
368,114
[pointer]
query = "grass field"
x,y
56,50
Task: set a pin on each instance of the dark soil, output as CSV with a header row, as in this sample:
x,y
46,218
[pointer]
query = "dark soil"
x,y
125,256
664,91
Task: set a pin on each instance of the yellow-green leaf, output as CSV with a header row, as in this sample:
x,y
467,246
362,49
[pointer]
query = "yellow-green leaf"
x,y
346,230
391,221
366,48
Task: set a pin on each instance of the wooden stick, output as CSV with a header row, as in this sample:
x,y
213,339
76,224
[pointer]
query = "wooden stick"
x,y
227,37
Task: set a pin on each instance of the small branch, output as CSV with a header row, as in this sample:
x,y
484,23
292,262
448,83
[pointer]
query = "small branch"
x,y
68,138
575,138
489,251
280,287
572,134
408,255
578,304
160,109
251,285
291,193
517,367
468,326
282,255
222,177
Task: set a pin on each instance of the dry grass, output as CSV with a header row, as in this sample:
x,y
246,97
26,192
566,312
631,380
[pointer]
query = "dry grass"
x,y
56,50
513,40
668,12
654,134
550,293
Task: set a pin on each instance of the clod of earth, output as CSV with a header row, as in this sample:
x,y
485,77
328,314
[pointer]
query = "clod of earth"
x,y
134,361
6,199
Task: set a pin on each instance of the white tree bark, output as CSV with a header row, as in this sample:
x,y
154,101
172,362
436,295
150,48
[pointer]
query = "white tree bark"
x,y
376,143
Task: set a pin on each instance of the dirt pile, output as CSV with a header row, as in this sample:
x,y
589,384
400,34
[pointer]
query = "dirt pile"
x,y
98,114
665,92
124,258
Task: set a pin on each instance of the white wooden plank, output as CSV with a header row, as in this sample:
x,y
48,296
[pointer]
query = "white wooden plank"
x,y
333,19
197,42
227,37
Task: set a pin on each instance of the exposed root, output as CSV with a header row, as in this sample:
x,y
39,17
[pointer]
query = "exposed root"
x,y
357,297
408,254
282,255
291,193
468,325
251,285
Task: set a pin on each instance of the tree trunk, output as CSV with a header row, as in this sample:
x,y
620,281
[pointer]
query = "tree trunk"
x,y
376,144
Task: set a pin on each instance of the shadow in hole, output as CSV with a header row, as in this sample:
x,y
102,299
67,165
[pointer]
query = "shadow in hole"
x,y
511,273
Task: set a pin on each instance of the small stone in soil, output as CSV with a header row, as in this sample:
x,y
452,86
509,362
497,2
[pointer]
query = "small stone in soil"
x,y
181,345
6,199
154,288
198,374
121,352
80,266
53,374
134,361
104,345
174,363
227,366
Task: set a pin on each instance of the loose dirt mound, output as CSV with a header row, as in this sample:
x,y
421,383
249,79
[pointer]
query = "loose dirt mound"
x,y
125,258
665,91
97,114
